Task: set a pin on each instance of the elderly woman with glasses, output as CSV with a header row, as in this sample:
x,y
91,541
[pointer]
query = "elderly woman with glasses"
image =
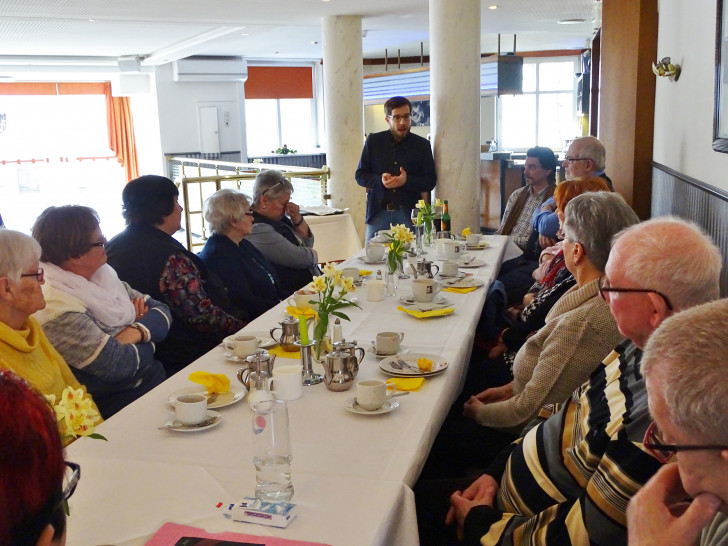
x,y
280,233
104,329
35,479
24,348
151,260
251,281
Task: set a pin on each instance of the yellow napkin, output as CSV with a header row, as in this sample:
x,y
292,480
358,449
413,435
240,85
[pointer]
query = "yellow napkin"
x,y
460,290
407,383
213,382
466,232
296,312
364,272
425,314
278,351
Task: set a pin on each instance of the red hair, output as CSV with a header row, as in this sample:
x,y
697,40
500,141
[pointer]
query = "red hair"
x,y
31,458
569,189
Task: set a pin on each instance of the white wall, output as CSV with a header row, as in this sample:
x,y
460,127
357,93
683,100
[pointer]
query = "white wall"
x,y
684,109
178,104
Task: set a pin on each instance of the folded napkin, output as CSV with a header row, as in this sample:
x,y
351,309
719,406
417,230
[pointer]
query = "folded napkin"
x,y
458,290
466,232
425,314
279,351
213,382
407,383
365,272
296,312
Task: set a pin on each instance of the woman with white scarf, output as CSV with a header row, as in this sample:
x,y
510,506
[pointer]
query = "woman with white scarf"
x,y
104,329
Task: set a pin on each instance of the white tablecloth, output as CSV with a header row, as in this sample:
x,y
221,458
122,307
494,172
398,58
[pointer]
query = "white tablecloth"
x,y
352,474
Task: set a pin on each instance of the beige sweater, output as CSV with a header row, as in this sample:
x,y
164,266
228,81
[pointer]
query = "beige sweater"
x,y
579,332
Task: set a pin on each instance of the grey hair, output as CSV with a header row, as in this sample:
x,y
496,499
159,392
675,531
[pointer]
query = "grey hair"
x,y
673,256
224,207
686,357
19,252
590,148
272,180
593,218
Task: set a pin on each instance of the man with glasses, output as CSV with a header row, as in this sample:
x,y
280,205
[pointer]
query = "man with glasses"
x,y
396,166
568,479
686,374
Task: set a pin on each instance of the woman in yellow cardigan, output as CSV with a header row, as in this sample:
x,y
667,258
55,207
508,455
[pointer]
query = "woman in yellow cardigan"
x,y
24,348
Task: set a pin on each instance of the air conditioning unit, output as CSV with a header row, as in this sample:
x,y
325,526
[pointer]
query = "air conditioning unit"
x,y
210,69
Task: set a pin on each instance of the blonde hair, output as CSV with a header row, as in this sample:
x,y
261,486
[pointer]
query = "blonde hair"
x,y
223,207
20,251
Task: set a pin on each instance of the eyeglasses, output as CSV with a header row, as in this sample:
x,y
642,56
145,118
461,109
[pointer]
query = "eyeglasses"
x,y
102,243
605,288
572,159
70,479
249,212
663,452
38,275
397,119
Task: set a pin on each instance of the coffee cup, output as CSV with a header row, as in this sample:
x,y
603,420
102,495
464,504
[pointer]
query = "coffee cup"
x,y
300,299
449,268
375,252
472,239
190,409
373,393
425,290
449,249
387,343
287,382
352,272
245,345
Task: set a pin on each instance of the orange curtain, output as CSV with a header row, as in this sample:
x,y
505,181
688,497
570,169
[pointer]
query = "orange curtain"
x,y
121,132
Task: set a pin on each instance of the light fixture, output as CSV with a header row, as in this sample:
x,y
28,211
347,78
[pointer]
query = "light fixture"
x,y
570,21
493,7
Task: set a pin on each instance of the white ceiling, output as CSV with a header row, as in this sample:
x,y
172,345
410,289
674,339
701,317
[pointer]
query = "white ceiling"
x,y
263,29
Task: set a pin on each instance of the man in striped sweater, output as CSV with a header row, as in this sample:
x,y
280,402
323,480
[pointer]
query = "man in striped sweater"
x,y
568,479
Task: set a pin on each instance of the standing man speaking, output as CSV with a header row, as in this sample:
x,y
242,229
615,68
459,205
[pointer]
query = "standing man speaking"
x,y
395,168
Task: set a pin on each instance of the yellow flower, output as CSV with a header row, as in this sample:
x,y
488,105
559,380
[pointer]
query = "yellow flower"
x,y
466,232
438,203
318,284
75,413
347,283
329,268
420,204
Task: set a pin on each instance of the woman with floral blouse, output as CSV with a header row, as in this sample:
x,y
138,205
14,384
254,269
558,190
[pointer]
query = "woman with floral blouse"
x,y
146,256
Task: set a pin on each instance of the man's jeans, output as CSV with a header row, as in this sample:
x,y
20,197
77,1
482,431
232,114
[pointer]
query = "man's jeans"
x,y
384,218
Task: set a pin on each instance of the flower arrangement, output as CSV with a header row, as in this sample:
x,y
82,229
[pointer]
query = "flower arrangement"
x,y
399,243
76,415
426,215
285,150
330,300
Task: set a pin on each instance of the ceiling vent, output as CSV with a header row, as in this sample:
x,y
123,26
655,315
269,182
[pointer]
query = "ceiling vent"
x,y
210,69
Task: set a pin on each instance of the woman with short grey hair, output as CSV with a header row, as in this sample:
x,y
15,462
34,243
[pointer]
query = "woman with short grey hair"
x,y
251,281
281,233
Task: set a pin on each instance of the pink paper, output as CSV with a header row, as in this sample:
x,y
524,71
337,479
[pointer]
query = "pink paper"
x,y
170,534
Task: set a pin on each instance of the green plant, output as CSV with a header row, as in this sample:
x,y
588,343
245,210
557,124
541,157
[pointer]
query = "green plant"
x,y
285,150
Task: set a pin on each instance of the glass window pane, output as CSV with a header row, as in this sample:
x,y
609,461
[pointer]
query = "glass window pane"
x,y
529,77
558,76
261,126
556,119
518,121
296,124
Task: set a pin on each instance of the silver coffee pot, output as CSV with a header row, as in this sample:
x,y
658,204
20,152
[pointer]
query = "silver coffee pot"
x,y
261,362
289,333
341,366
424,269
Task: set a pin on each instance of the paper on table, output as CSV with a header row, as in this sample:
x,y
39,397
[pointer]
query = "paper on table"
x,y
426,314
407,383
460,290
214,382
170,534
280,352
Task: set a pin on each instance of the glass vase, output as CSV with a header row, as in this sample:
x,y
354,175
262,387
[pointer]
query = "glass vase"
x,y
419,235
427,228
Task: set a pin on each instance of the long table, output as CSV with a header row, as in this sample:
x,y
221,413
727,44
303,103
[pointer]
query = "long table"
x,y
352,474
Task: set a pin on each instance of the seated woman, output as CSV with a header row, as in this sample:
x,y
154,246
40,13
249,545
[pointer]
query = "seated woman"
x,y
251,281
146,256
32,490
280,233
103,328
24,348
579,329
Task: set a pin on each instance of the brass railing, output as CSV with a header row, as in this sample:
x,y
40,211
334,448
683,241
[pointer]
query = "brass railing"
x,y
200,178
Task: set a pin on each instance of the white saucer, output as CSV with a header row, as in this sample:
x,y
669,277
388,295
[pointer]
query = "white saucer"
x,y
439,365
264,340
372,350
460,275
232,357
467,282
471,263
236,393
373,262
353,407
176,426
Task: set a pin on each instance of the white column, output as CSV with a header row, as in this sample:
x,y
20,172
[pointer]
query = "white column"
x,y
455,107
343,100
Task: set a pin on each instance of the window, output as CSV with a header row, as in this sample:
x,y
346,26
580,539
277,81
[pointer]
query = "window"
x,y
545,114
55,151
271,123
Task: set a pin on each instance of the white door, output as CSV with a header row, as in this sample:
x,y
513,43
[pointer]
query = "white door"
x,y
209,137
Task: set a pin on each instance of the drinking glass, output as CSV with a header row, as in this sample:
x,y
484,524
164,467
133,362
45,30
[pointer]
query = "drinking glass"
x,y
272,451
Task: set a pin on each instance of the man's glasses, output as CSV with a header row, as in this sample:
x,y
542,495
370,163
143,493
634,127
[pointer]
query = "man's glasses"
x,y
38,275
605,288
70,479
397,119
572,159
663,452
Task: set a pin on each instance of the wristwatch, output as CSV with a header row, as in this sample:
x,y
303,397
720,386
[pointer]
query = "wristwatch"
x,y
146,336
